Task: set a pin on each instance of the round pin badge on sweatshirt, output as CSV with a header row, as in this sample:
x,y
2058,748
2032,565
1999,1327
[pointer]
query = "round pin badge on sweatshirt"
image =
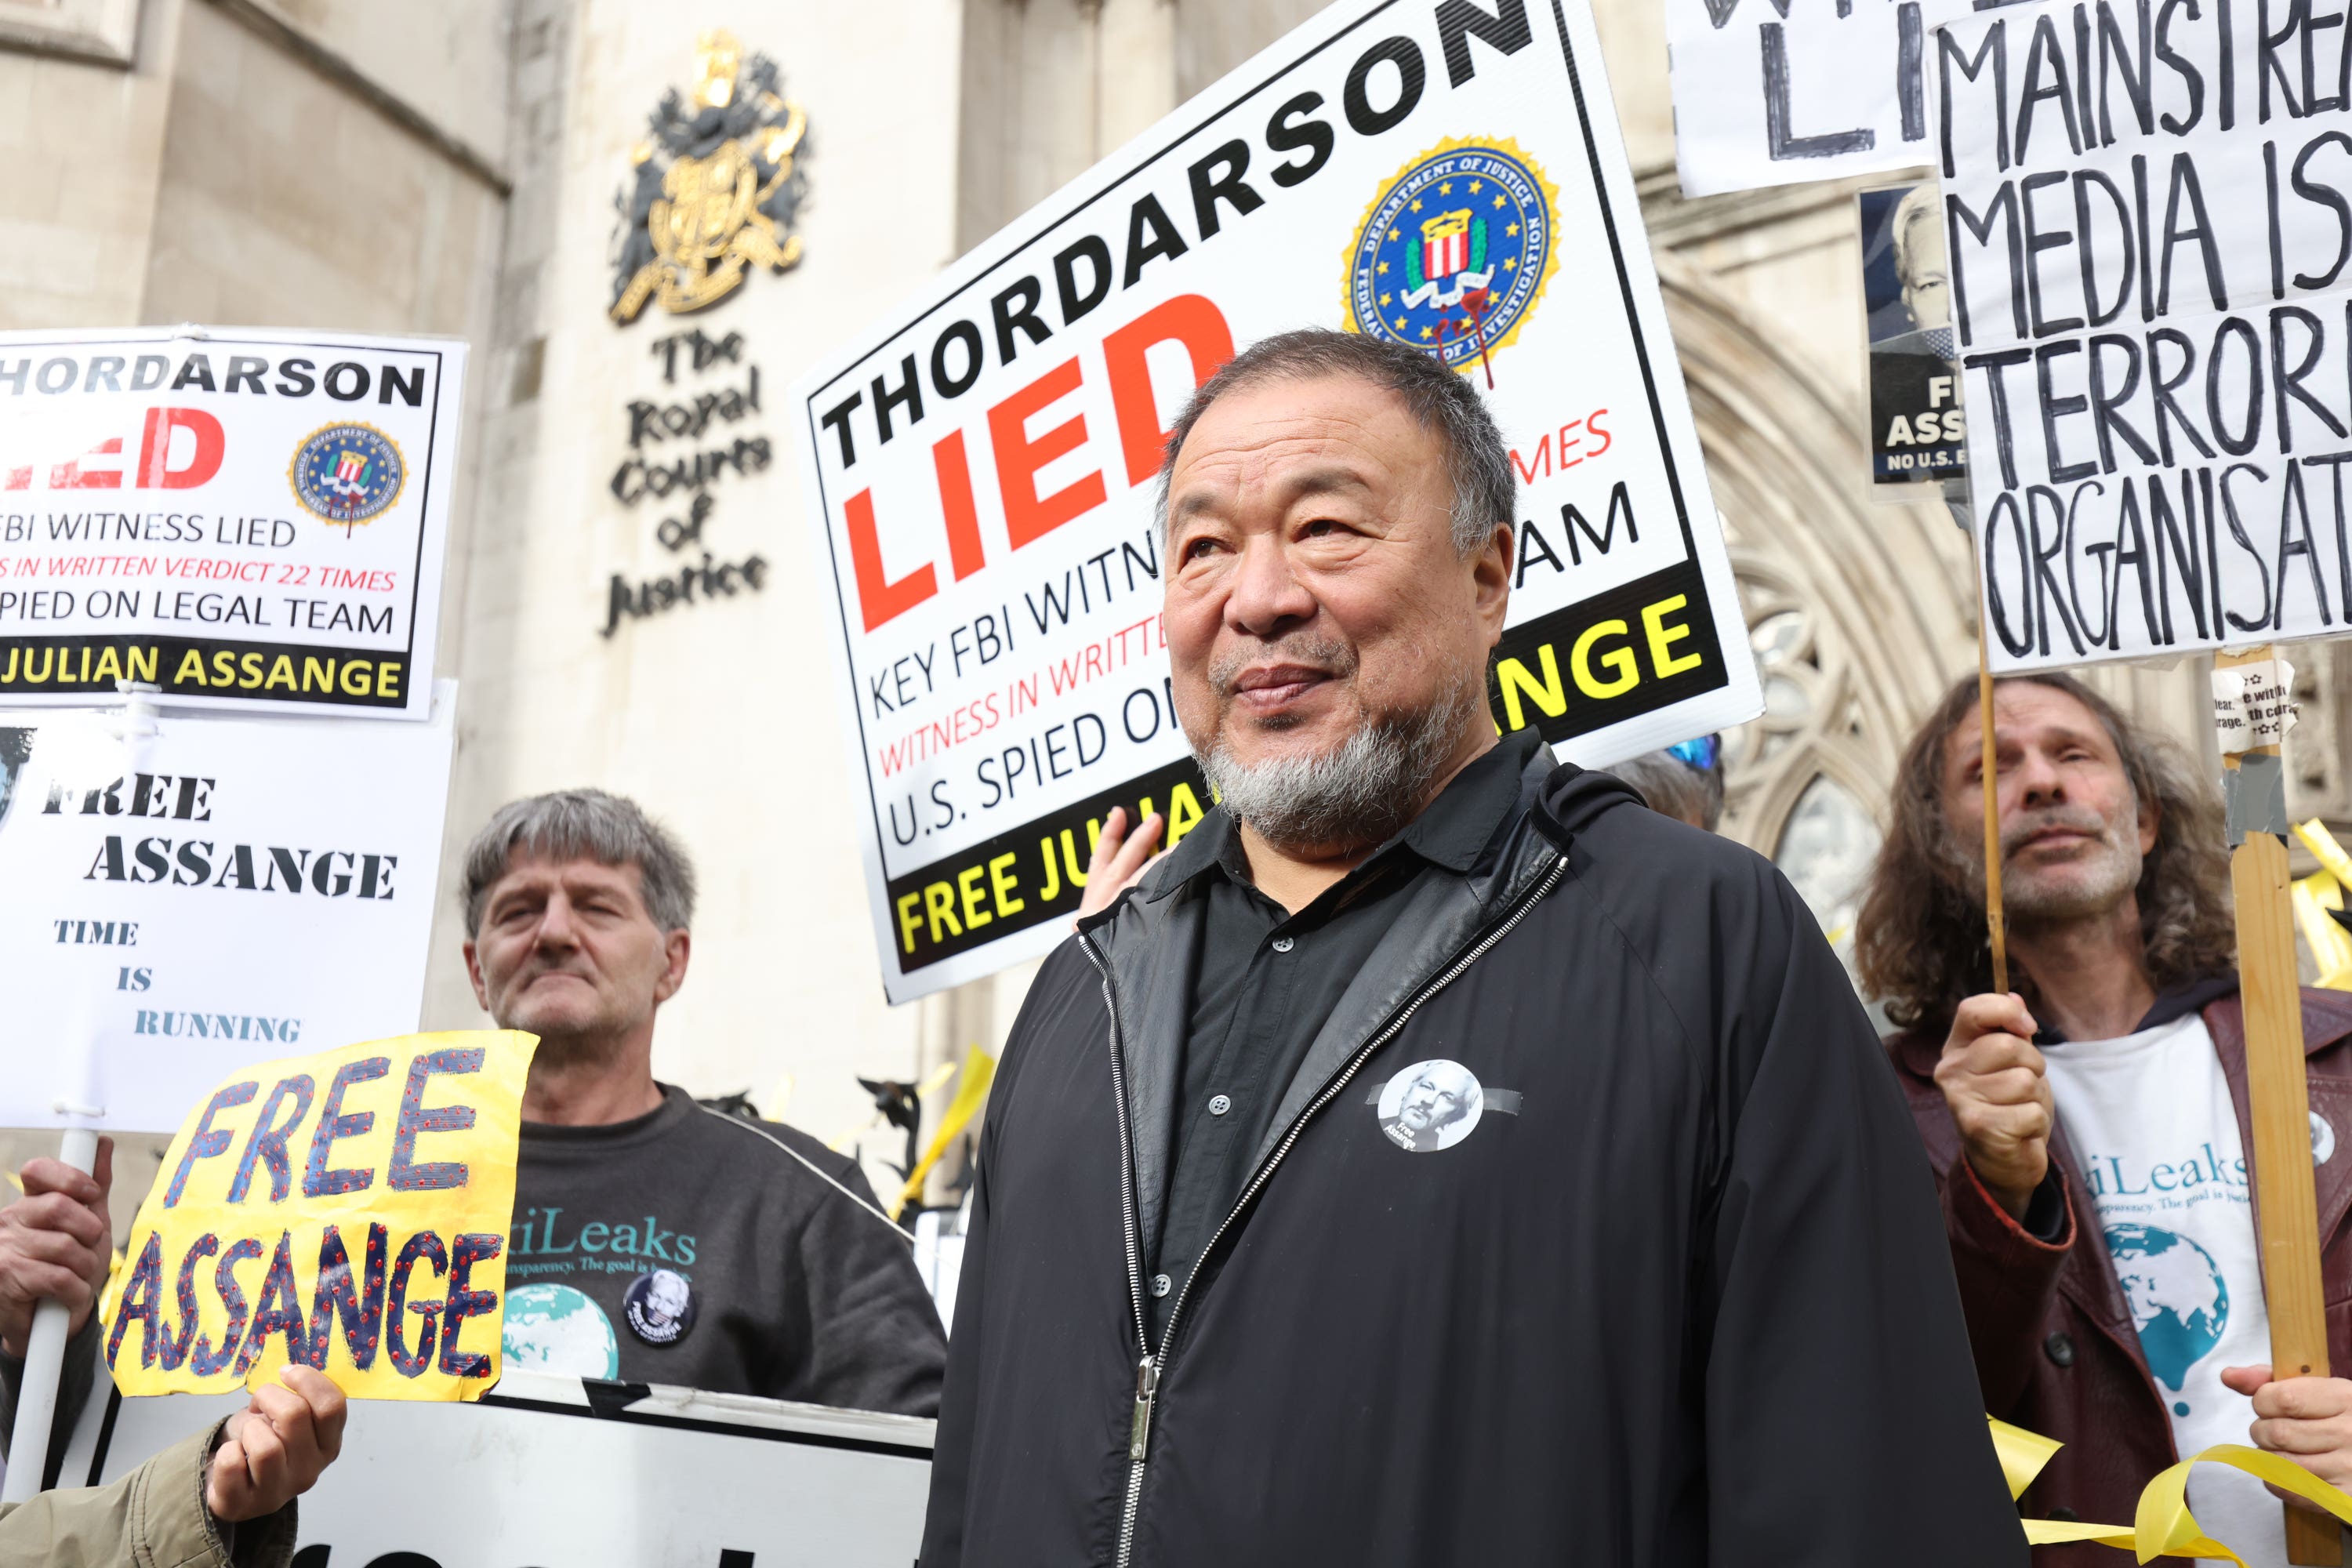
x,y
660,1306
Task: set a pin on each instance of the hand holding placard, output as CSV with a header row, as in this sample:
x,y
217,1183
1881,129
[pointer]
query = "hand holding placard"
x,y
346,1211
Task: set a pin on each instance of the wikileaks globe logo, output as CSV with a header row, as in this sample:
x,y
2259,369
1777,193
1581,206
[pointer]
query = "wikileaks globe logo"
x,y
2180,1301
556,1329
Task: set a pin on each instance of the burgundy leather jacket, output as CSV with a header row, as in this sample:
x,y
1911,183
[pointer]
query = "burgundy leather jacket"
x,y
2056,1346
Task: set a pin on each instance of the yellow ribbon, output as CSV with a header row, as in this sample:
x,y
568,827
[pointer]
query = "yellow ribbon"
x,y
2314,896
979,1072
2162,1526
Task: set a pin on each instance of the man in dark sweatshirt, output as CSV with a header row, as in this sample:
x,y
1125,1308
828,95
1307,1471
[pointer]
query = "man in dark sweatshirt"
x,y
653,1240
1437,1157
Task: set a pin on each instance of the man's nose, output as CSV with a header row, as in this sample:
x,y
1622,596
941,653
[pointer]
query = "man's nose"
x,y
556,926
1267,598
2037,780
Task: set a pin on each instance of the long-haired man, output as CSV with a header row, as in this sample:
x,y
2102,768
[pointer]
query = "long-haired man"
x,y
2088,1130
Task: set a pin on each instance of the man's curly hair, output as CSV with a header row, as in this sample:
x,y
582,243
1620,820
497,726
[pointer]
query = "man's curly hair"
x,y
1920,941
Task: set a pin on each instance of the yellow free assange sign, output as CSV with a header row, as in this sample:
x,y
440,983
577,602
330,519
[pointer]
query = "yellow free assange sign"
x,y
347,1210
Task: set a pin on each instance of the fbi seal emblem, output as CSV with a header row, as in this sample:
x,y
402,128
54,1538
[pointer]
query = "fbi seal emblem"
x,y
348,474
1453,252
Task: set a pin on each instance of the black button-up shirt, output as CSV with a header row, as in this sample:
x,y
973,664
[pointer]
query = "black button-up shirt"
x,y
1268,979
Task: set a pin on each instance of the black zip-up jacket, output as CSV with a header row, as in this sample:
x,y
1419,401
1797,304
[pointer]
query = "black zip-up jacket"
x,y
1691,1304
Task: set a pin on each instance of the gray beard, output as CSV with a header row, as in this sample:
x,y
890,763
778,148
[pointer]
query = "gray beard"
x,y
2029,901
1359,793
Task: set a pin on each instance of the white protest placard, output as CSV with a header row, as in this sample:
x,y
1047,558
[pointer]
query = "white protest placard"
x,y
551,1470
250,889
243,519
1771,92
2149,213
982,465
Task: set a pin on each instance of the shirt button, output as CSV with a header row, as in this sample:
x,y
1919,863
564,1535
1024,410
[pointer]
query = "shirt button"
x,y
1162,1285
1282,944
1219,1104
2060,1347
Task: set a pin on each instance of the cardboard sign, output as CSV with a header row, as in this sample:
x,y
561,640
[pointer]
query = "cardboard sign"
x,y
552,1471
1769,92
347,1210
2146,216
245,519
223,890
982,465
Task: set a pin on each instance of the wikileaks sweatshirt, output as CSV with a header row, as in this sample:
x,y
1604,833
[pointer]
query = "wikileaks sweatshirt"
x,y
685,1246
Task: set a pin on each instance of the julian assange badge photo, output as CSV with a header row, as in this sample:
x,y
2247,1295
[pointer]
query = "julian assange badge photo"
x,y
660,1306
1430,1106
1916,428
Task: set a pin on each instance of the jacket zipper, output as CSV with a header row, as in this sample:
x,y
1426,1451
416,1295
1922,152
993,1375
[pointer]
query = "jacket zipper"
x,y
1154,1364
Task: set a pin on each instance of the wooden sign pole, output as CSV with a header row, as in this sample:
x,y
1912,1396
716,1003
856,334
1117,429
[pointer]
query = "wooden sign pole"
x,y
1995,926
2279,1110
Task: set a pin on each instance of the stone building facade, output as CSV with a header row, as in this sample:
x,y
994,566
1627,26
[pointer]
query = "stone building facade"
x,y
452,166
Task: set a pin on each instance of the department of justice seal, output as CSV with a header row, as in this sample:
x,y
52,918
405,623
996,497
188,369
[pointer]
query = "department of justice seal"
x,y
347,474
1455,250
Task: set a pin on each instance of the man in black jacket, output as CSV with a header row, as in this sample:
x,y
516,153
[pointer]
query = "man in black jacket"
x,y
1668,1285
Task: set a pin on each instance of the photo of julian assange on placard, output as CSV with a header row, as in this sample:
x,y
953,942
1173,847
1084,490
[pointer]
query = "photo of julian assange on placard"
x,y
1916,425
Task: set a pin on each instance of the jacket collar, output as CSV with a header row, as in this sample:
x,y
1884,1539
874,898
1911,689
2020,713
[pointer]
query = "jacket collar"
x,y
1148,941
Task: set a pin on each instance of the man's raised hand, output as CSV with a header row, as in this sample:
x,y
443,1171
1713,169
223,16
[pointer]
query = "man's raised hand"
x,y
1995,1085
1121,859
56,1244
274,1450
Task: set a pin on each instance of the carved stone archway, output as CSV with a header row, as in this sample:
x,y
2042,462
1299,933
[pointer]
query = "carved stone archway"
x,y
1858,610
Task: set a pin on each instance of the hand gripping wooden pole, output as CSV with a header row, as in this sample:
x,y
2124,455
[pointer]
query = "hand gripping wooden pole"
x,y
2279,1110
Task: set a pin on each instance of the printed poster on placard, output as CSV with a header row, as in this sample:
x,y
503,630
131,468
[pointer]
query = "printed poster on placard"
x,y
981,464
223,891
2148,219
1917,428
242,519
1772,92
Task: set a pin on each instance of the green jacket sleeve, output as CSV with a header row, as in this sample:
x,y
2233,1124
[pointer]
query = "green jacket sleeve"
x,y
152,1517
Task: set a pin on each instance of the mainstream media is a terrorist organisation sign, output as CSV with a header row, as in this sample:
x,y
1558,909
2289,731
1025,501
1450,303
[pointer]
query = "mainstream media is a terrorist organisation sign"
x,y
252,521
2148,217
982,465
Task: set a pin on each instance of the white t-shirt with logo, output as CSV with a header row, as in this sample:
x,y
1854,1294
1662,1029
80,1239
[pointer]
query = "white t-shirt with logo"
x,y
2150,1119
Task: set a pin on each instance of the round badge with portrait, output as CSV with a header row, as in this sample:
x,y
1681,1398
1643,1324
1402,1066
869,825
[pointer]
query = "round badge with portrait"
x,y
660,1306
1430,1106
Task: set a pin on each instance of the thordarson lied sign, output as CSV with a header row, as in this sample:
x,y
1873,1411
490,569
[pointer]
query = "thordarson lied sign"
x,y
981,464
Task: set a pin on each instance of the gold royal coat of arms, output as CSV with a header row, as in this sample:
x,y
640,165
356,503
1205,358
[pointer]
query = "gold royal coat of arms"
x,y
715,189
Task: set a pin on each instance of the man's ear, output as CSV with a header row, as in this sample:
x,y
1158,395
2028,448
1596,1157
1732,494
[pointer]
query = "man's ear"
x,y
1492,575
2151,820
677,947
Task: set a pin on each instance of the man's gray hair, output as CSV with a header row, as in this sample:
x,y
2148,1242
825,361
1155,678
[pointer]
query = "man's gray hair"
x,y
583,825
1441,400
1672,787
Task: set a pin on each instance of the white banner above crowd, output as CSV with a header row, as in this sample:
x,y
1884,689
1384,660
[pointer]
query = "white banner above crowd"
x,y
982,465
1772,92
224,891
249,521
2148,210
